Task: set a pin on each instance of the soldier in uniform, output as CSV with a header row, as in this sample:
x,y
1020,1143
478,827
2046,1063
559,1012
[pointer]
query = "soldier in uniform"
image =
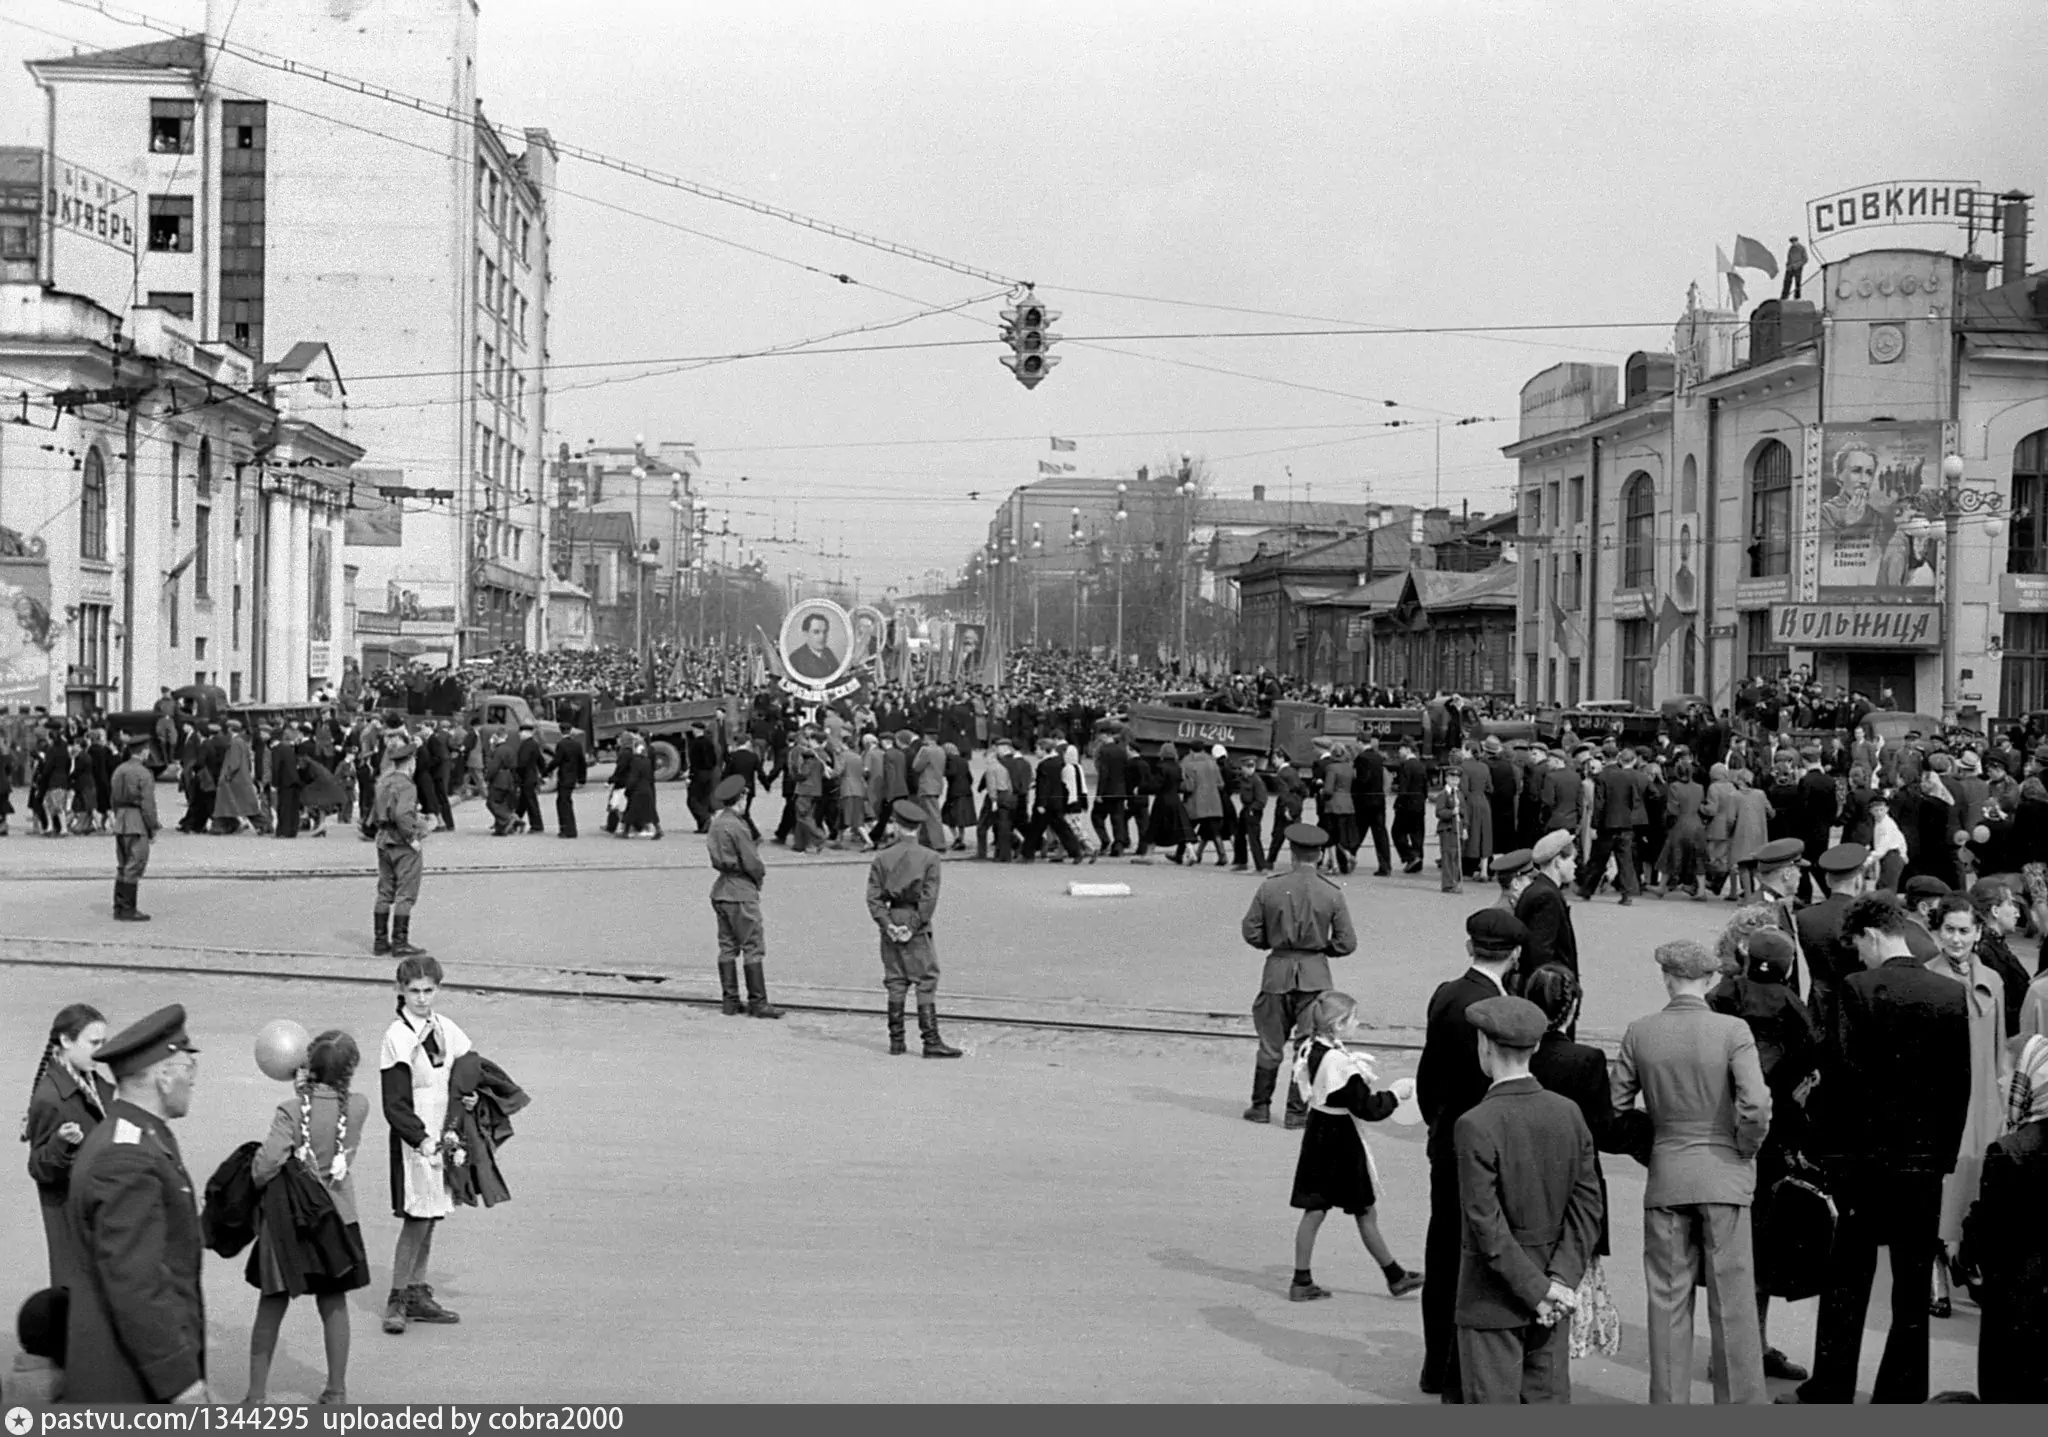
x,y
401,844
1299,918
133,797
137,1327
903,894
1780,870
736,899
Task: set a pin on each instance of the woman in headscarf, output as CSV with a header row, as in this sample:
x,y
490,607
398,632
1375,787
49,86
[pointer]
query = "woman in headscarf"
x,y
1168,825
2007,1242
1719,812
1073,781
1934,818
959,791
1201,782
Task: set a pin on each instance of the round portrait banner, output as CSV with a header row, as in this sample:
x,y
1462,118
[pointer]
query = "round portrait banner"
x,y
817,641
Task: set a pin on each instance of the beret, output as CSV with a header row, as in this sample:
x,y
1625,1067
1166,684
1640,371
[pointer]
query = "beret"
x,y
729,789
1779,852
1550,845
1511,1022
908,810
1494,928
1507,864
149,1041
1306,835
1844,858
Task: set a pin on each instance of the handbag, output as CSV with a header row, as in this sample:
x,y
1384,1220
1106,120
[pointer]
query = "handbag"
x,y
1798,1237
1596,1321
617,802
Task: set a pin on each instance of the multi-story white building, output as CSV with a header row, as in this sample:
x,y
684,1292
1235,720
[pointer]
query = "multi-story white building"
x,y
269,205
1850,483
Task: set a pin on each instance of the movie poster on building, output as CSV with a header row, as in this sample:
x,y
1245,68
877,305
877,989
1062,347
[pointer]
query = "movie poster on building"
x,y
376,515
1874,540
28,631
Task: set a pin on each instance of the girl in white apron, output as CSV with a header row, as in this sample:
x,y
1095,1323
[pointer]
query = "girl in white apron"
x,y
420,1047
1336,1167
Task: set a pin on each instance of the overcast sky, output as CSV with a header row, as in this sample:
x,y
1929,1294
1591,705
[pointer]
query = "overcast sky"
x,y
1427,164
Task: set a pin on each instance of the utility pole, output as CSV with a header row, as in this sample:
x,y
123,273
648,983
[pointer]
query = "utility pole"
x,y
1187,498
1122,513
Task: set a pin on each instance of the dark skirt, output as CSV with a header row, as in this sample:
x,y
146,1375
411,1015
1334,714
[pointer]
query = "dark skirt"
x,y
332,1261
1332,1170
640,810
1168,827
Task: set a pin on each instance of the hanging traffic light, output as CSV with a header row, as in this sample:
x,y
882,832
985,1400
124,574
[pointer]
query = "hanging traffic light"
x,y
1025,331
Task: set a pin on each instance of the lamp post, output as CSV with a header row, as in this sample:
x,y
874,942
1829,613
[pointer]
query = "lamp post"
x,y
639,572
1180,584
1074,543
1948,506
1122,513
1037,576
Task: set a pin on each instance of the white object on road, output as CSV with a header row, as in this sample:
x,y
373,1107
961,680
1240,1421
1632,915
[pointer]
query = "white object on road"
x,y
1098,890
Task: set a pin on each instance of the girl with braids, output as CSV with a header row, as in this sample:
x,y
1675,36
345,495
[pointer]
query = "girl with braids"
x,y
320,1126
420,1049
67,1100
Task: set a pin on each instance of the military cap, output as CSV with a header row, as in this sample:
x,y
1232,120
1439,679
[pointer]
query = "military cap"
x,y
1550,845
909,811
135,740
1306,835
149,1041
1925,886
1506,865
398,748
1844,858
729,790
1778,853
1495,930
905,738
1510,1022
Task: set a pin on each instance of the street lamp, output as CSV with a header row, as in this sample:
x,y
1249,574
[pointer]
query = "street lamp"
x,y
1074,543
1948,506
1122,513
1037,575
1187,497
639,568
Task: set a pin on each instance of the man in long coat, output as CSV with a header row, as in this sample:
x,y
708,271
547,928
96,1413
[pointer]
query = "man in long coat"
x,y
1506,789
1478,806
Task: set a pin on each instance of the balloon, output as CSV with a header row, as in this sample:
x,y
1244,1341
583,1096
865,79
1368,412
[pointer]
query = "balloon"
x,y
1981,833
1962,838
281,1049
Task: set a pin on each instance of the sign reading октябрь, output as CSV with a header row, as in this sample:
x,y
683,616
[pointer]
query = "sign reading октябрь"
x,y
1857,626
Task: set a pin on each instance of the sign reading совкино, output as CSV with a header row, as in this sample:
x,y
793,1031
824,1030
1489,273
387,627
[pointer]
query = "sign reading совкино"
x,y
1857,626
1896,202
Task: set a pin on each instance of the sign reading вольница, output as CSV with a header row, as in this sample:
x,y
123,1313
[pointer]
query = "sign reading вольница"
x,y
1857,626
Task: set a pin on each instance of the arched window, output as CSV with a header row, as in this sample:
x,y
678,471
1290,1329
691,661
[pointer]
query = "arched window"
x,y
203,481
1689,486
92,507
1639,532
1770,511
1689,662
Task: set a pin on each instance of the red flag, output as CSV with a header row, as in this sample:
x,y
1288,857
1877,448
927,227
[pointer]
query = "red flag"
x,y
1750,254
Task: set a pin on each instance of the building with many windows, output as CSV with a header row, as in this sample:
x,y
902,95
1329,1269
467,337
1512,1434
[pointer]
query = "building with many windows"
x,y
1849,484
262,202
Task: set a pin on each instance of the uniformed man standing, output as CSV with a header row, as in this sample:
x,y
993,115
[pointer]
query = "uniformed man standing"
x,y
903,894
401,845
1300,918
133,800
137,1327
736,899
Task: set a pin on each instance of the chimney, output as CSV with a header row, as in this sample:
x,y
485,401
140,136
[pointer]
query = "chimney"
x,y
2014,204
1258,493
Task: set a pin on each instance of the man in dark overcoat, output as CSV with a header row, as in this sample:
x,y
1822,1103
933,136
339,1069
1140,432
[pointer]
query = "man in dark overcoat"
x,y
1544,910
526,765
571,767
137,1325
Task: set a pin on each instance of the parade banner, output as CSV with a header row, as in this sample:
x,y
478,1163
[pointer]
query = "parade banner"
x,y
870,632
970,652
817,642
1871,479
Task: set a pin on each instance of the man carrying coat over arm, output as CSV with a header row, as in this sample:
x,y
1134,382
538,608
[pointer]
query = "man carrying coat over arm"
x,y
1530,1197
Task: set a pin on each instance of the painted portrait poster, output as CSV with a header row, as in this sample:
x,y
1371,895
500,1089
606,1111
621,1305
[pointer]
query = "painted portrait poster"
x,y
1871,476
870,629
970,652
816,641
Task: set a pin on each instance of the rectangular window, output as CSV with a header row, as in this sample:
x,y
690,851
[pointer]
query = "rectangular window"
x,y
175,302
177,479
525,234
1550,683
235,687
171,595
1578,581
1632,644
2023,679
490,295
202,558
93,656
590,573
170,224
20,236
1578,498
198,651
170,127
1532,672
2027,550
1532,511
235,633
1571,684
1550,510
1762,659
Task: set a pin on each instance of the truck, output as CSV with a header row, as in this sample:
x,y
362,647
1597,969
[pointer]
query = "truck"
x,y
666,726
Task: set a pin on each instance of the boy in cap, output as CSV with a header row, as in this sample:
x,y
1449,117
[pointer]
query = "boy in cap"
x,y
401,848
1529,1197
137,1325
1698,1075
1449,1082
132,797
1299,917
903,894
736,900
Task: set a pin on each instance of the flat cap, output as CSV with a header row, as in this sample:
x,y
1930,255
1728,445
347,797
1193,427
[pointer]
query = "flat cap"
x,y
1844,858
1924,886
135,740
1550,845
1306,835
1778,853
149,1041
909,811
905,738
1687,960
1495,930
729,789
1510,1022
1506,865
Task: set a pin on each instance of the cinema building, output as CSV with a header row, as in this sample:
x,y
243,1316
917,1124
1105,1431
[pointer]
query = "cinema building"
x,y
1850,483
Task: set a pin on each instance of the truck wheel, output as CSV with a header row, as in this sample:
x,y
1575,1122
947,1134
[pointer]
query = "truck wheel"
x,y
668,760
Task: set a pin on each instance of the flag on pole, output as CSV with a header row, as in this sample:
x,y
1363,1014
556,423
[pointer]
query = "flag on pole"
x,y
1046,466
769,656
1750,254
1738,293
1062,446
1670,620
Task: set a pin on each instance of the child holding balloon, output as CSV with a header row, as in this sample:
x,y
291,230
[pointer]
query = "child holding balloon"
x,y
320,1126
